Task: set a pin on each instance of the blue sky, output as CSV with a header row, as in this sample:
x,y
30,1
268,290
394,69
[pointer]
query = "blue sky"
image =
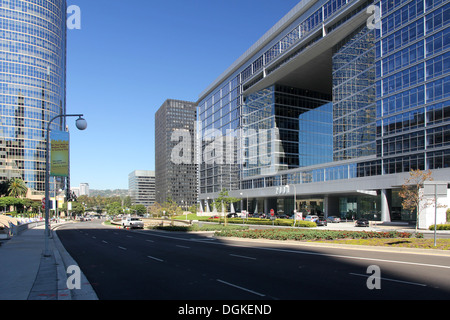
x,y
132,55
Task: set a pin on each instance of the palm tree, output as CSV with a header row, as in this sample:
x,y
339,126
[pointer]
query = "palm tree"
x,y
17,188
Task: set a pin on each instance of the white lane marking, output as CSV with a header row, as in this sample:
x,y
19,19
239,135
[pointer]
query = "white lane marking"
x,y
104,241
149,240
245,257
306,252
242,288
155,259
122,248
182,247
393,280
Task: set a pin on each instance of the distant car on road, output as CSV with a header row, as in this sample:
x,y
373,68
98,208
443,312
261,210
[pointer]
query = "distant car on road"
x,y
132,223
362,223
333,219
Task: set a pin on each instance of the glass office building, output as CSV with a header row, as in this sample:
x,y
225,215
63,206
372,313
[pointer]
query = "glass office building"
x,y
384,86
32,84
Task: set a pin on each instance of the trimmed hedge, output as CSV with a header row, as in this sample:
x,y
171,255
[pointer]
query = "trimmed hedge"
x,y
440,227
204,227
276,234
268,222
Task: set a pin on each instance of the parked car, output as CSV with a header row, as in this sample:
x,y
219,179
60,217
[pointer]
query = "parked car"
x,y
232,215
311,218
362,223
333,219
213,217
321,221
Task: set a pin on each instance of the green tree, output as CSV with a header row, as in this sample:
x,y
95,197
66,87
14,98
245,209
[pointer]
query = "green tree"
x,y
114,208
412,197
17,188
224,201
7,202
139,209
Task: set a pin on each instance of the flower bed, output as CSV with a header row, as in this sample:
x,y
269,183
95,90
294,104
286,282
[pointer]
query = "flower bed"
x,y
195,227
275,234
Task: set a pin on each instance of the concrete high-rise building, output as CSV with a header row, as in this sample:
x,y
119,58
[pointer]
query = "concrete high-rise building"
x,y
32,85
330,110
141,187
84,189
176,169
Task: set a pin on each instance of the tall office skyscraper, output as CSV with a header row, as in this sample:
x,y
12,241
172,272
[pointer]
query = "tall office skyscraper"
x,y
176,169
32,84
332,108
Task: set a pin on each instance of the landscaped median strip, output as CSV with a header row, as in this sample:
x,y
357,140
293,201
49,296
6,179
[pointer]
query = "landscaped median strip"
x,y
292,234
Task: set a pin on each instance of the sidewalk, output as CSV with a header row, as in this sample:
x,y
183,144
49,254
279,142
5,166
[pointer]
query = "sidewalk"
x,y
26,274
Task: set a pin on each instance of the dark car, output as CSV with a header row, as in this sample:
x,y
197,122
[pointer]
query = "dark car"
x,y
321,221
362,223
334,219
232,215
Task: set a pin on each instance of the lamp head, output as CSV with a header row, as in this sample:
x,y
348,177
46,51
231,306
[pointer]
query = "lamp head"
x,y
81,123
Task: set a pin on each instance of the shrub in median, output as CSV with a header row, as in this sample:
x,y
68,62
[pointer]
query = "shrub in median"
x,y
268,222
292,234
440,227
196,227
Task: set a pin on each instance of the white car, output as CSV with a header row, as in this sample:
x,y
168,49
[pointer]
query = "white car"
x,y
311,218
132,223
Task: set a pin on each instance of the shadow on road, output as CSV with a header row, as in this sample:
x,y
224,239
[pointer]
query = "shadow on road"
x,y
160,265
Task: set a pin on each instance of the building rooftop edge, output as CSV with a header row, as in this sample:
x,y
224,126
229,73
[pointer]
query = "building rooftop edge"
x,y
290,17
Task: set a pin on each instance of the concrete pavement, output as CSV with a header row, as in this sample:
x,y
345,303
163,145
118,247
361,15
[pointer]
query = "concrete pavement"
x,y
26,274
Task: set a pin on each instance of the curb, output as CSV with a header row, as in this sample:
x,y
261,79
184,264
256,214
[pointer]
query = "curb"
x,y
63,261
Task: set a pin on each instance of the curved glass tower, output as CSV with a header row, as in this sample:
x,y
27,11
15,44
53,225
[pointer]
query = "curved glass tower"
x,y
32,84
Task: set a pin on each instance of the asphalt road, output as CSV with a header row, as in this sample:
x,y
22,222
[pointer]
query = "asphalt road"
x,y
156,265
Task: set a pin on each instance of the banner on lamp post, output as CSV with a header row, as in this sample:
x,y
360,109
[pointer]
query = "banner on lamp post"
x,y
59,159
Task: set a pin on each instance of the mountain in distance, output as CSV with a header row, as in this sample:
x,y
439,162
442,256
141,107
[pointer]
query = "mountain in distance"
x,y
109,193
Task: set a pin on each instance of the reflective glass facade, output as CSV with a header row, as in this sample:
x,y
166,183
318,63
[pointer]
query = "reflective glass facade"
x,y
32,84
390,111
413,85
271,128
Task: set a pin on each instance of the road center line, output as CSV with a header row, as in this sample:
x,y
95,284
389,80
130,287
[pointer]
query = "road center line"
x,y
245,257
155,259
242,288
305,252
393,280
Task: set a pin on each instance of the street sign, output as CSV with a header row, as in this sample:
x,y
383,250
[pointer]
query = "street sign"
x,y
432,188
272,212
435,189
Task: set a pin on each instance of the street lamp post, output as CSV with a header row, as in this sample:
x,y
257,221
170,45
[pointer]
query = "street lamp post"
x,y
81,125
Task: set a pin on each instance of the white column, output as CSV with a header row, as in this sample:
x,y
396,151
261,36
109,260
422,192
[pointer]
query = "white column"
x,y
385,213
